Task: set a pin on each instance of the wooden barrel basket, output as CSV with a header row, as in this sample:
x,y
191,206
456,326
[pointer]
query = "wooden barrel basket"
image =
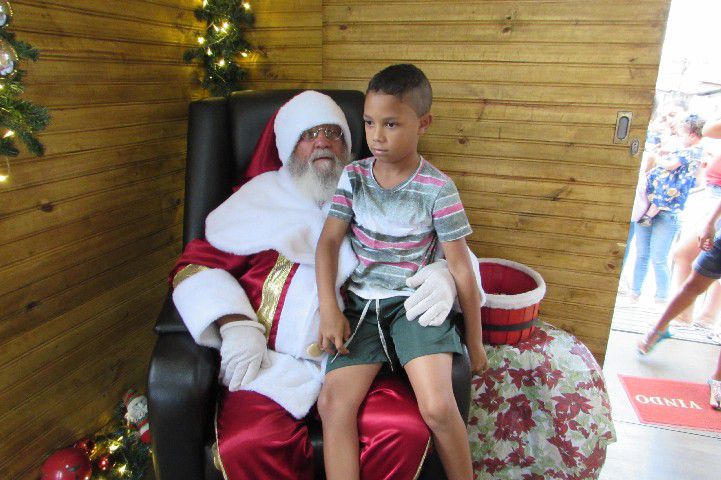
x,y
513,294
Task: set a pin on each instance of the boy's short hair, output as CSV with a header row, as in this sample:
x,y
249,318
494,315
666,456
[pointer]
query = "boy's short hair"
x,y
407,83
694,124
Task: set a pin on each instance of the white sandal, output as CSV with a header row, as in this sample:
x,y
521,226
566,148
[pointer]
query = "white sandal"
x,y
715,397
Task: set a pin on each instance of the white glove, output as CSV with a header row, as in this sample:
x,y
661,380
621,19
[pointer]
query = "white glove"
x,y
243,353
434,297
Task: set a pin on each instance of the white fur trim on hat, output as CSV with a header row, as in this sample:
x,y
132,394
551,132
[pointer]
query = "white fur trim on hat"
x,y
522,300
306,110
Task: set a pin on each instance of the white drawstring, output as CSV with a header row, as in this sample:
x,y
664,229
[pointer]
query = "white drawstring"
x,y
380,331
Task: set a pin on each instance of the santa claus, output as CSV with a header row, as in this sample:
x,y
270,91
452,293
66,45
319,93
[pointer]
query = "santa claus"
x,y
249,290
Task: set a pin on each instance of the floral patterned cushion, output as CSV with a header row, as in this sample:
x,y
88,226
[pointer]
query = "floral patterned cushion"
x,y
541,411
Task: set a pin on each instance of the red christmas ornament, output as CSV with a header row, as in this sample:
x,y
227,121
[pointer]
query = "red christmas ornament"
x,y
105,462
85,445
67,464
137,413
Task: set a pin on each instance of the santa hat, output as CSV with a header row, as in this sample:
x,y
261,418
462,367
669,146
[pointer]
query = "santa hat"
x,y
306,110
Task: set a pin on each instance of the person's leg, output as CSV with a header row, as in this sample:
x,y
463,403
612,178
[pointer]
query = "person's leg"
x,y
257,438
394,439
695,285
430,377
715,386
683,256
665,227
629,239
343,391
643,243
711,306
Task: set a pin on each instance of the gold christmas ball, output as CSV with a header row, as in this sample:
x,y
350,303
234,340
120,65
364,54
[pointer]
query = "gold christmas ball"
x,y
8,60
6,13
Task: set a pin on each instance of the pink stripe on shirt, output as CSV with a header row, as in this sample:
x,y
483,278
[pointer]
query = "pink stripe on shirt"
x,y
429,180
406,265
444,212
340,199
379,244
359,169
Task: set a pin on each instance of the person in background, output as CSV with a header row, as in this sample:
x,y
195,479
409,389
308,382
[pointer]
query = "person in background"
x,y
687,249
706,271
668,186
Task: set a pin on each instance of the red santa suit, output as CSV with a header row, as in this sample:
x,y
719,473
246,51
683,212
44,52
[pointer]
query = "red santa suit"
x,y
258,260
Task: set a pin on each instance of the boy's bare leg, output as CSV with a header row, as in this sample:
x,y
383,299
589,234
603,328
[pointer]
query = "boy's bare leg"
x,y
430,378
343,391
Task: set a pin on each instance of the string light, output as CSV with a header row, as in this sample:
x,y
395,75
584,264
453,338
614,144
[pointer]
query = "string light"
x,y
218,47
6,174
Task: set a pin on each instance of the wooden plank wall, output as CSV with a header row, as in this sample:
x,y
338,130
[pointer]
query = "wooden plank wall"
x,y
526,97
89,232
289,33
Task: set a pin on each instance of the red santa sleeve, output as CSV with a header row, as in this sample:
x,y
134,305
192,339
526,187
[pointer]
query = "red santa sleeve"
x,y
206,288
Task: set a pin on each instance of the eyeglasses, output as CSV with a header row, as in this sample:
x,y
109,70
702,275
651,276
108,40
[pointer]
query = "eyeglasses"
x,y
333,132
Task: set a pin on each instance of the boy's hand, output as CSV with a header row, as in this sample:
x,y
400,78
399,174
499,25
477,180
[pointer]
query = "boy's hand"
x,y
334,331
479,360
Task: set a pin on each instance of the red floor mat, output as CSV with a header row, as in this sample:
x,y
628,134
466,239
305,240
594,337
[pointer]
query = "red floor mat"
x,y
672,402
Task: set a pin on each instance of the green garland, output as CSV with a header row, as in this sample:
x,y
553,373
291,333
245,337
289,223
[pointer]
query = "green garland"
x,y
21,117
221,43
128,452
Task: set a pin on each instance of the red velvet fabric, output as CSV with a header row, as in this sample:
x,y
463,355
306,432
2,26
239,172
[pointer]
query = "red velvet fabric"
x,y
265,156
259,440
200,252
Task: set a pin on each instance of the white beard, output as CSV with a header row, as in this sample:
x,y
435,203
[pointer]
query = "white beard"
x,y
316,183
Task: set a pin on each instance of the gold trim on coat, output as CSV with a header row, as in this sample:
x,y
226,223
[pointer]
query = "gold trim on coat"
x,y
423,458
272,289
217,461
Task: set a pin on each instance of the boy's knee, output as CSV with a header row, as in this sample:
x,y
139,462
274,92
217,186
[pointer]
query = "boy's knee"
x,y
332,404
325,403
439,411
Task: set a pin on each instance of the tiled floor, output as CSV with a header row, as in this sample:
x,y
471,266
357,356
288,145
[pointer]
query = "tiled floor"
x,y
658,452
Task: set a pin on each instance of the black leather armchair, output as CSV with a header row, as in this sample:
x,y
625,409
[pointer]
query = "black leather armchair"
x,y
182,380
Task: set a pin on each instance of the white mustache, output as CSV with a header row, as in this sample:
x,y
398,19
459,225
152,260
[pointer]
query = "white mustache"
x,y
322,153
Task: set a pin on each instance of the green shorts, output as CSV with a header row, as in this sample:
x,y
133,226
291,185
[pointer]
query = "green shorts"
x,y
404,340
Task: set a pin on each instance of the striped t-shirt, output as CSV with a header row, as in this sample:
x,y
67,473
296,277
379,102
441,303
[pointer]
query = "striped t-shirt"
x,y
394,232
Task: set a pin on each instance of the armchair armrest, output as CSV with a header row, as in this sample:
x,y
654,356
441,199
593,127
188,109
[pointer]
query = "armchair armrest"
x,y
182,383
